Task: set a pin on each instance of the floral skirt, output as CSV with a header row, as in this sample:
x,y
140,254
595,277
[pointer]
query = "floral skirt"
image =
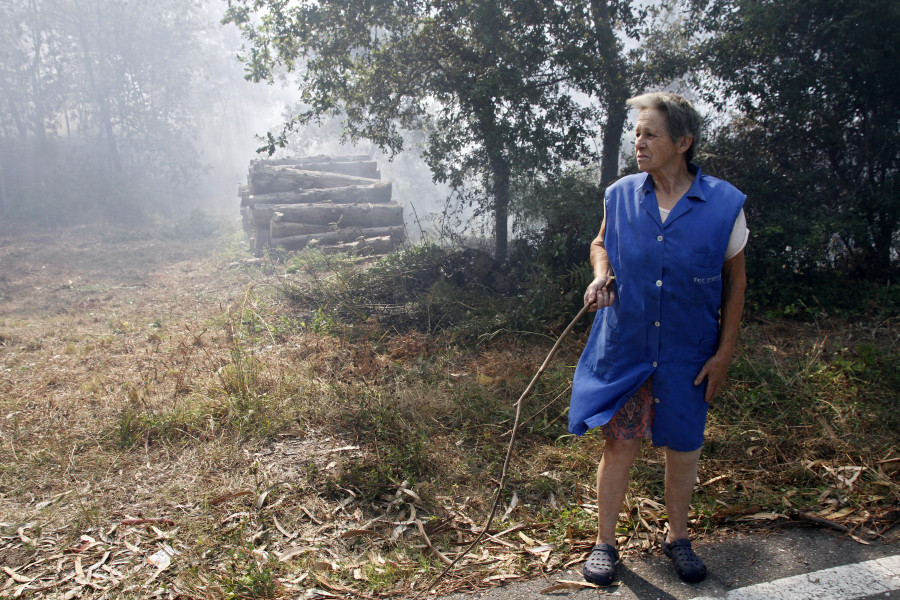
x,y
635,418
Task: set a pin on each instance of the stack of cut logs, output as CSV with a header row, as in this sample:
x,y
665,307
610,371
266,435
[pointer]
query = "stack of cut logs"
x,y
334,203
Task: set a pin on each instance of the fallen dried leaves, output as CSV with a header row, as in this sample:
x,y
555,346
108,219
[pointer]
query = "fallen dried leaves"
x,y
162,521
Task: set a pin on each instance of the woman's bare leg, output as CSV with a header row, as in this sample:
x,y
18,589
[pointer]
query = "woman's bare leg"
x,y
681,475
612,483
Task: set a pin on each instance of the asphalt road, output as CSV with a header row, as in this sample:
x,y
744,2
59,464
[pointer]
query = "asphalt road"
x,y
794,564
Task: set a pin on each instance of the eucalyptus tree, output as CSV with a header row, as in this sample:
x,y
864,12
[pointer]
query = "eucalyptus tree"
x,y
33,86
487,80
595,32
95,100
816,141
136,65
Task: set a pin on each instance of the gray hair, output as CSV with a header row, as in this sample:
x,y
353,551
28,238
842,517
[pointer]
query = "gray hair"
x,y
681,116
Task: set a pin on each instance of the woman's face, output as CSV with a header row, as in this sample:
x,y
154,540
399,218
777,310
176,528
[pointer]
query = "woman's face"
x,y
654,148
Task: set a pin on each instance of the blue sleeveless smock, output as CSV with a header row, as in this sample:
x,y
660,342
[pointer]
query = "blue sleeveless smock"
x,y
664,321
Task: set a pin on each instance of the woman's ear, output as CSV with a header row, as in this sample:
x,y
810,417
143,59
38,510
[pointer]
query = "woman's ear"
x,y
684,142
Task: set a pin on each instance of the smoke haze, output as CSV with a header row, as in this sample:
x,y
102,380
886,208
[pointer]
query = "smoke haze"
x,y
128,112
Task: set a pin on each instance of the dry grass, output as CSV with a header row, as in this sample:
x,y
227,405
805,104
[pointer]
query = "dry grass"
x,y
171,427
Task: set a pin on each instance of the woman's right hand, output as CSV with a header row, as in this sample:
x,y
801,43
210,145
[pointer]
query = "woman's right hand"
x,y
599,293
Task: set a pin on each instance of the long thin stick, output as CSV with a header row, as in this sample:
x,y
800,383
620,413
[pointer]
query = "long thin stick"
x,y
509,450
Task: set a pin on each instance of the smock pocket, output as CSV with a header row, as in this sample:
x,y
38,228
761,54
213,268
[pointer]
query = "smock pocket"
x,y
706,276
707,348
606,349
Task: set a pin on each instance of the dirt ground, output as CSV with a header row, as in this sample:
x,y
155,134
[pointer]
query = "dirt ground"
x,y
106,335
101,327
86,317
93,322
111,337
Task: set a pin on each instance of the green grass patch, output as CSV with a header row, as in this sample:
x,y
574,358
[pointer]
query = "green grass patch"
x,y
406,371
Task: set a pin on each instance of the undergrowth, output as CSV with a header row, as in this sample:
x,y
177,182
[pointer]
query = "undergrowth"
x,y
806,406
338,391
432,289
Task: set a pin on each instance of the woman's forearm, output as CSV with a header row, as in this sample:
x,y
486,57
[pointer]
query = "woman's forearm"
x,y
599,257
733,290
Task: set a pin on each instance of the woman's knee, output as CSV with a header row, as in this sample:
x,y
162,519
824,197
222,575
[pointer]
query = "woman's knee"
x,y
682,460
622,450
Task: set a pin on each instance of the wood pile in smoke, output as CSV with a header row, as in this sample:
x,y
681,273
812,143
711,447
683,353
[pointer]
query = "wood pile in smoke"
x,y
334,203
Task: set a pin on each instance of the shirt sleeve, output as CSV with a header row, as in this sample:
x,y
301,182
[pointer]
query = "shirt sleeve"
x,y
739,236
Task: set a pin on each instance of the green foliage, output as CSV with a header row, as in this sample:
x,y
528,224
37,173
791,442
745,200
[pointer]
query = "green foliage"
x,y
248,579
385,423
405,289
197,225
383,577
491,83
97,125
434,289
849,384
129,428
561,217
816,146
571,525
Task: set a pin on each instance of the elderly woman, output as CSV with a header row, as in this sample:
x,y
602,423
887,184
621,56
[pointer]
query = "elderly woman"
x,y
669,284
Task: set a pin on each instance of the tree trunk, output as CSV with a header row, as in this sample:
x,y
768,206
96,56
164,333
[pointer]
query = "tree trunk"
x,y
282,229
501,208
613,72
274,179
617,112
340,236
498,185
883,236
331,202
365,247
301,160
342,215
259,237
375,193
102,100
346,165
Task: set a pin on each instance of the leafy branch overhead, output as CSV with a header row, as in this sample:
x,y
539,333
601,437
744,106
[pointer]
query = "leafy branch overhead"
x,y
816,144
493,84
